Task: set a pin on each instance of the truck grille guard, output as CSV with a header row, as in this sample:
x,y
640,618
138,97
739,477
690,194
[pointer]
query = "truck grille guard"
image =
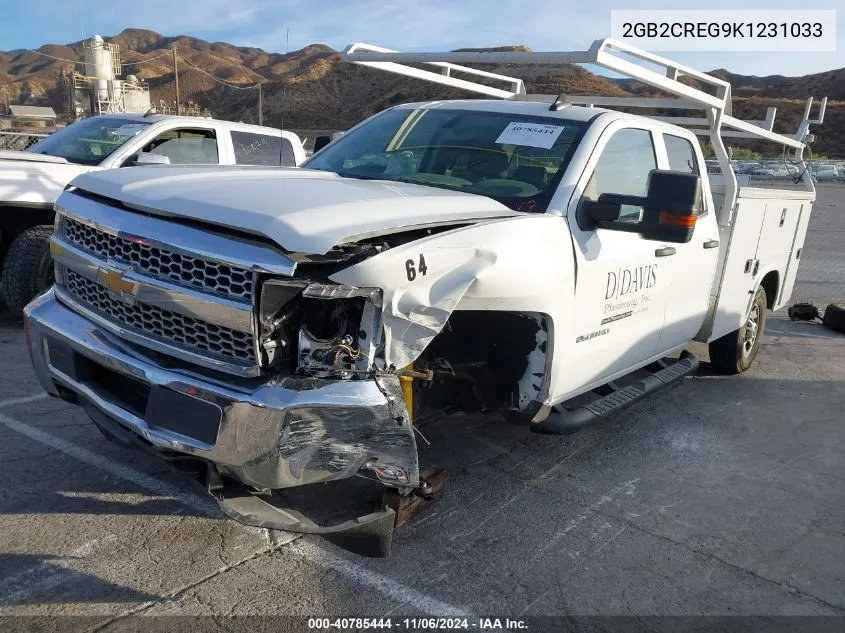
x,y
193,297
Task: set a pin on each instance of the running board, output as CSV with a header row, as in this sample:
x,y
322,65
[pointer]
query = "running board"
x,y
565,421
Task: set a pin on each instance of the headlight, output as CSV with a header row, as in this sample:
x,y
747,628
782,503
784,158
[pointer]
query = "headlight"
x,y
320,330
334,341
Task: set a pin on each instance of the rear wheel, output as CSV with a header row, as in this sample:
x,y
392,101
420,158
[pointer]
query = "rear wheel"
x,y
27,268
735,352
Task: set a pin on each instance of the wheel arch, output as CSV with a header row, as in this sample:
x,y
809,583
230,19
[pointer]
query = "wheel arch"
x,y
17,217
521,361
23,215
770,282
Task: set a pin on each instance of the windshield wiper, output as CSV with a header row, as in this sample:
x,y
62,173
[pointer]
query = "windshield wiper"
x,y
424,183
343,174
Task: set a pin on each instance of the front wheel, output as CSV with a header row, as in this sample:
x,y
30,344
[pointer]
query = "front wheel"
x,y
735,352
27,268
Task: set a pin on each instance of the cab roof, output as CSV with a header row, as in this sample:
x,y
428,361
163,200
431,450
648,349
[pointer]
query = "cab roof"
x,y
188,120
533,108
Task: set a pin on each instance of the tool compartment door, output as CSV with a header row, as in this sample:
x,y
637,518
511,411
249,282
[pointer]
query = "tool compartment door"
x,y
737,266
767,232
802,219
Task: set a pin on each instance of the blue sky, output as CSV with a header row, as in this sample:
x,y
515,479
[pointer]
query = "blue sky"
x,y
400,24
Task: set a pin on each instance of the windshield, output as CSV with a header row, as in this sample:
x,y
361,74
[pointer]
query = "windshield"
x,y
89,141
515,159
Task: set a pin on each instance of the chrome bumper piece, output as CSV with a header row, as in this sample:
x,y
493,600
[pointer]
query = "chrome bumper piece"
x,y
285,432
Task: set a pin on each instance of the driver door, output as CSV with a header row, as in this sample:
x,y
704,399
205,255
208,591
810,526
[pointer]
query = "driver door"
x,y
622,280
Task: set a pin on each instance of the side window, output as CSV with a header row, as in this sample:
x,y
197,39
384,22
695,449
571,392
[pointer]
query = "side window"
x,y
186,147
262,149
682,158
623,168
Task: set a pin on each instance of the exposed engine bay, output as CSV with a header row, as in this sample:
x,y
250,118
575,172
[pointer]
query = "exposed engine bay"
x,y
481,360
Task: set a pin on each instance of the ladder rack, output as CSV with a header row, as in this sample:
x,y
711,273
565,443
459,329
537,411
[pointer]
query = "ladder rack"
x,y
607,53
713,96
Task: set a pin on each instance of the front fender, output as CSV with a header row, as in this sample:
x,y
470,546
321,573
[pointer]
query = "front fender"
x,y
520,264
29,183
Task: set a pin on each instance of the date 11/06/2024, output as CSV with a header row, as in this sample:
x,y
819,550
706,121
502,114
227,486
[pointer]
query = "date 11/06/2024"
x,y
417,624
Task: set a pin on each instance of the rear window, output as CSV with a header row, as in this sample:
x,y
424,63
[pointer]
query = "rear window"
x,y
262,149
681,154
682,158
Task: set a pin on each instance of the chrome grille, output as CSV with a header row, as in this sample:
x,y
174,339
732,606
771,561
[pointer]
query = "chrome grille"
x,y
168,326
210,276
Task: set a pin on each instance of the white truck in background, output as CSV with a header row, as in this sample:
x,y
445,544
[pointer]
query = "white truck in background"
x,y
31,180
283,328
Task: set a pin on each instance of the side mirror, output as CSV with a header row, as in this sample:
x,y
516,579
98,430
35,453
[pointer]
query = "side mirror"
x,y
148,158
670,211
320,142
669,208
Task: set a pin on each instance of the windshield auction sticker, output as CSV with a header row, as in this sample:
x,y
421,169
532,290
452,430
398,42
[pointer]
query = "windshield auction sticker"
x,y
530,134
729,30
129,129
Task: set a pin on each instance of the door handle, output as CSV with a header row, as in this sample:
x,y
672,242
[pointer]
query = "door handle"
x,y
711,244
665,251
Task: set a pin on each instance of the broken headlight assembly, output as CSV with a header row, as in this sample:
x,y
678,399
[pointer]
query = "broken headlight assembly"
x,y
319,330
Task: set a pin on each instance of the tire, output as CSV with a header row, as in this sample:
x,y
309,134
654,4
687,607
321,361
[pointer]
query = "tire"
x,y
834,318
735,352
27,268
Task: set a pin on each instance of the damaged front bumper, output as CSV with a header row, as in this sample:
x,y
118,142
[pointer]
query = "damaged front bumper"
x,y
278,433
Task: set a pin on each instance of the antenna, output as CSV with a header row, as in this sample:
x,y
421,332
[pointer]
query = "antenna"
x,y
284,93
285,82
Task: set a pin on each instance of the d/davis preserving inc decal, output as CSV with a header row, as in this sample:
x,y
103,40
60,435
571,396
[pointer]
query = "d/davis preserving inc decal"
x,y
626,292
626,281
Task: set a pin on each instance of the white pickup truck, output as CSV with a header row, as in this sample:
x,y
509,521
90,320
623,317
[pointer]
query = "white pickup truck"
x,y
30,181
283,328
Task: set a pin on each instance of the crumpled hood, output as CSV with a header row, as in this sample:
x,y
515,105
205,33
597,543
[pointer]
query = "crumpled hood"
x,y
302,210
29,178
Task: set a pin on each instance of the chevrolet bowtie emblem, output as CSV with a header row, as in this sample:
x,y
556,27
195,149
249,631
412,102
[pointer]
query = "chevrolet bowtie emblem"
x,y
113,279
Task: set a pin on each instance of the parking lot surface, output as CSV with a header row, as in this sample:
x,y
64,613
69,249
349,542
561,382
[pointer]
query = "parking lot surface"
x,y
724,495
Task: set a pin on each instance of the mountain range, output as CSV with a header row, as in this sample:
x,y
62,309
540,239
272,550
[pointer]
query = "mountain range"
x,y
312,88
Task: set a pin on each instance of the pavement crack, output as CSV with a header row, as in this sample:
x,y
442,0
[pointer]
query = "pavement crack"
x,y
221,547
742,570
178,593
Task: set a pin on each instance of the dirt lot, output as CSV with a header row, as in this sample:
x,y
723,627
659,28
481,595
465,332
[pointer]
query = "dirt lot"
x,y
721,496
